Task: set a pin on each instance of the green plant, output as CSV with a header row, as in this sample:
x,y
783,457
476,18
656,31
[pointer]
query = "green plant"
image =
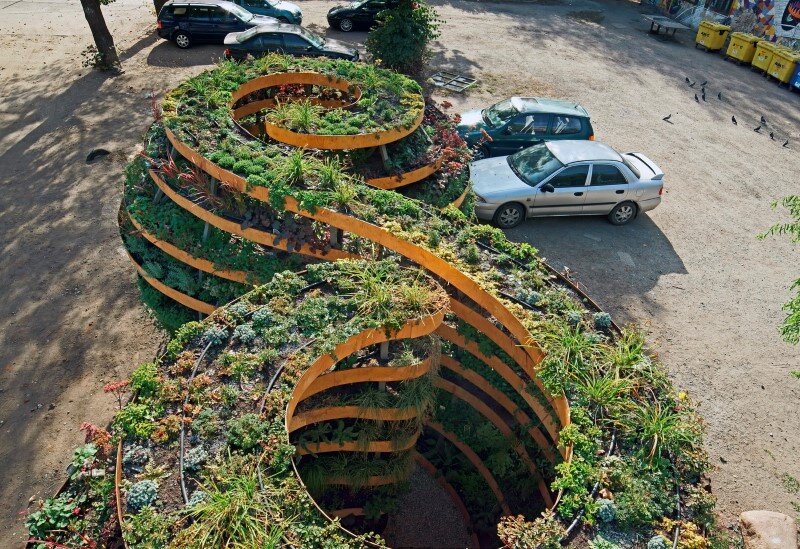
x,y
400,39
135,458
790,330
602,321
544,532
606,510
215,335
147,529
658,542
194,459
245,432
245,333
135,420
141,495
55,514
599,542
144,380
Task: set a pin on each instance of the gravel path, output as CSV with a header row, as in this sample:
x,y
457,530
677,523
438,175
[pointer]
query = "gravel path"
x,y
426,517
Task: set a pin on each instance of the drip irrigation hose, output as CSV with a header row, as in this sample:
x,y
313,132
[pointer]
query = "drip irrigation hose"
x,y
596,487
183,429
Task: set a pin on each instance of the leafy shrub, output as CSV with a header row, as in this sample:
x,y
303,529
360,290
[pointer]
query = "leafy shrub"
x,y
642,495
542,533
262,318
400,39
55,514
198,496
606,510
135,420
194,459
142,494
245,432
574,318
183,336
600,542
530,297
216,335
602,321
147,529
144,380
239,310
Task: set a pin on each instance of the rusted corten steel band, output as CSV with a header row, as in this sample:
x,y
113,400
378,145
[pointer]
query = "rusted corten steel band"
x,y
476,461
416,254
498,422
406,178
183,299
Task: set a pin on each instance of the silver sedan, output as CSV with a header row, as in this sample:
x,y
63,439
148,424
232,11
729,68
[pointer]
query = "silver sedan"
x,y
565,178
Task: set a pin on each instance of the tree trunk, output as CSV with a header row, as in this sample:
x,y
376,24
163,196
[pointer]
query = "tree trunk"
x,y
102,38
158,4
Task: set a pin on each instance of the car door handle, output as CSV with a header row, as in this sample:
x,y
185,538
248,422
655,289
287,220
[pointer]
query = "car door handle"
x,y
620,191
578,194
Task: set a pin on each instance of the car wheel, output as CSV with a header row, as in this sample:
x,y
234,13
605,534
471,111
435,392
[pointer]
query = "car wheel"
x,y
509,215
480,153
346,25
623,213
182,40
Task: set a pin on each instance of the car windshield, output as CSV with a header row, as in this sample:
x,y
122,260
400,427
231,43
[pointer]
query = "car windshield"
x,y
240,13
534,164
499,113
357,4
315,39
246,35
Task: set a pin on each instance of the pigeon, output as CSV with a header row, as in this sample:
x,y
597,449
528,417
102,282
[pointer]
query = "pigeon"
x,y
666,118
704,95
688,81
763,120
696,98
692,84
733,119
757,129
719,96
786,143
772,135
703,85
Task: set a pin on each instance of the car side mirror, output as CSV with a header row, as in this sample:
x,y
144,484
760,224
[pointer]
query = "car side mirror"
x,y
547,188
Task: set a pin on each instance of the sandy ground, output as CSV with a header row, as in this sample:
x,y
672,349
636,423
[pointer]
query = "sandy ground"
x,y
692,270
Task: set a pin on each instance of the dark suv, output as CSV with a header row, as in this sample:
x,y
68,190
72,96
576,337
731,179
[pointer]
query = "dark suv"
x,y
360,13
186,22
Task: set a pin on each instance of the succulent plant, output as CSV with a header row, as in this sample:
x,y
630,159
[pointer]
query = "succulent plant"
x,y
142,494
657,542
531,297
574,318
197,497
607,510
602,321
195,458
239,310
262,318
215,335
135,458
245,333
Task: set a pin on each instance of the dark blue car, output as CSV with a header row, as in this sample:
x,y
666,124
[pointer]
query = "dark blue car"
x,y
187,22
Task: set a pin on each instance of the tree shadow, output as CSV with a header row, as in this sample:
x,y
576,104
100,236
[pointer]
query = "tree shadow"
x,y
167,54
614,264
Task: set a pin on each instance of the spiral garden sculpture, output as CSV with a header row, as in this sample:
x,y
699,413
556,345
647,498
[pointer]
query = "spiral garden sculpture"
x,y
318,212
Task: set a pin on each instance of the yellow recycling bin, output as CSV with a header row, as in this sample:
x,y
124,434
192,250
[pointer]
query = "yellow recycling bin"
x,y
711,35
742,46
783,63
762,59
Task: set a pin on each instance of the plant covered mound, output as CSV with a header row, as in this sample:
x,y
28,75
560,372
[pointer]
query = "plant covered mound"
x,y
388,100
632,439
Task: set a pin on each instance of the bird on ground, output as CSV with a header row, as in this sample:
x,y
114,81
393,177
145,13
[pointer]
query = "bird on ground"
x,y
719,96
772,135
763,120
757,129
786,143
733,119
666,118
692,84
696,98
703,85
687,80
704,96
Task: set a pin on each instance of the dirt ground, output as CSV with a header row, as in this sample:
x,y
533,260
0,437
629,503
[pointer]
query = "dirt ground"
x,y
692,270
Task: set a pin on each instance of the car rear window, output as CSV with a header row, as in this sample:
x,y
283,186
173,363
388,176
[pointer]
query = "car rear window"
x,y
632,168
565,125
171,12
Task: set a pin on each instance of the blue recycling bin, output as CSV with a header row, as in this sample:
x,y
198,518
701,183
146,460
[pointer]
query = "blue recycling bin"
x,y
794,82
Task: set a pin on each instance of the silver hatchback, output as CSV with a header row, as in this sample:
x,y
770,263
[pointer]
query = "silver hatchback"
x,y
565,178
